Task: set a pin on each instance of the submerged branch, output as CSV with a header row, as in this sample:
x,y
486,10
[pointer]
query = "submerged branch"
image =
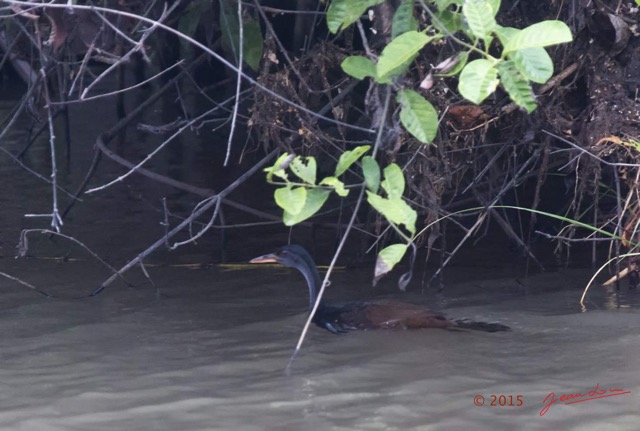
x,y
204,208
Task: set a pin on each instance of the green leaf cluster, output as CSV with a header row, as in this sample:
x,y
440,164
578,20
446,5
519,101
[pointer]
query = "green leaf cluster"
x,y
393,207
417,114
302,197
523,59
300,200
523,54
394,60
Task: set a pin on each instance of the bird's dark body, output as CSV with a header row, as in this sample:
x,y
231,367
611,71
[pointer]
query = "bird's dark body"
x,y
366,315
379,315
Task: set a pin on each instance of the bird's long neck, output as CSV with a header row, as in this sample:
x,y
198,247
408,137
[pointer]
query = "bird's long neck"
x,y
310,272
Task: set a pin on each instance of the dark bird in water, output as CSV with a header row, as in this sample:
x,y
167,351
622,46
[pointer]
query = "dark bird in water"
x,y
365,315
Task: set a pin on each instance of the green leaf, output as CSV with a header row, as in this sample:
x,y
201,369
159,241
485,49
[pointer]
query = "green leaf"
x,y
505,33
401,50
545,33
371,172
517,86
480,17
461,60
305,171
403,20
478,80
338,186
278,168
418,116
342,13
389,258
252,43
251,35
396,211
448,21
348,158
359,67
393,182
278,164
398,71
534,64
315,199
280,173
495,5
290,199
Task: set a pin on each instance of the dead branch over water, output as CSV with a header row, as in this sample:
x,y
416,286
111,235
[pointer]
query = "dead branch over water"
x,y
575,156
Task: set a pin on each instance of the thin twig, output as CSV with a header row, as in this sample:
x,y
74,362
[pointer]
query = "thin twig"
x,y
36,174
601,160
121,90
56,221
202,231
240,56
24,283
154,152
138,47
567,239
343,240
22,247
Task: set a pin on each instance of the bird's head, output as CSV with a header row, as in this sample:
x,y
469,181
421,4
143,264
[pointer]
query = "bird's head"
x,y
294,256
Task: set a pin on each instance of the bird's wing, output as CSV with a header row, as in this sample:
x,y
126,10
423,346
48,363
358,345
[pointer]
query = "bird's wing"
x,y
390,315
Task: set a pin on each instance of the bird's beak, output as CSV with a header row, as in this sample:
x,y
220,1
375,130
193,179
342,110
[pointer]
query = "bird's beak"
x,y
267,258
